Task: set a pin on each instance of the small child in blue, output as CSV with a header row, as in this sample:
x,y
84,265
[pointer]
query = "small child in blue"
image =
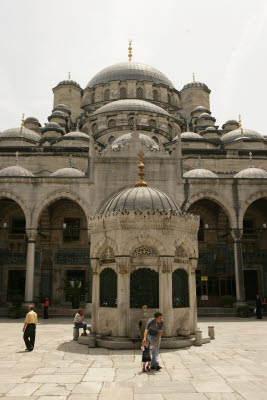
x,y
146,359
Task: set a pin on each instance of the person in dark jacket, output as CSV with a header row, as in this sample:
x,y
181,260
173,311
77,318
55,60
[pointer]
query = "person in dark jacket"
x,y
258,307
46,305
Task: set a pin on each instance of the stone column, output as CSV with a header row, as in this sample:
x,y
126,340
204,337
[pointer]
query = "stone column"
x,y
29,284
95,295
123,296
239,274
192,294
165,295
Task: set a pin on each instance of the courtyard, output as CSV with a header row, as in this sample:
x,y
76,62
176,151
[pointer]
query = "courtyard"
x,y
232,367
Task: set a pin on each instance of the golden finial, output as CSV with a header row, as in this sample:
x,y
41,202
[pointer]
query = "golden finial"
x,y
194,78
130,51
22,120
239,121
141,172
69,76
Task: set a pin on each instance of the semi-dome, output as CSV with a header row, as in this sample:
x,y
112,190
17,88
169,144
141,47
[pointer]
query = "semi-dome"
x,y
251,173
14,171
196,85
140,198
241,133
75,135
20,133
129,71
69,82
68,172
127,137
189,135
200,173
131,105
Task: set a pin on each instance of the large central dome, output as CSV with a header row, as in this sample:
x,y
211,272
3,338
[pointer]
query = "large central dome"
x,y
129,71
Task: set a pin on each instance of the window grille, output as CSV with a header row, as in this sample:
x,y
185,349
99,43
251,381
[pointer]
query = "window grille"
x,y
180,289
112,123
106,94
139,93
72,230
155,95
108,288
152,123
123,93
144,288
131,121
144,250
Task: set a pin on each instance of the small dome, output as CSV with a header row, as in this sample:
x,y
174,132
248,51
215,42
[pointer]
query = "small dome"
x,y
131,105
129,71
206,116
241,133
20,133
251,173
140,198
189,135
127,137
211,129
32,120
68,172
15,170
201,109
69,82
200,173
196,85
75,135
58,113
61,107
52,126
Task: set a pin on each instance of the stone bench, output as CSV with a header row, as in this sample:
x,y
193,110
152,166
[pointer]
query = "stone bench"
x,y
76,332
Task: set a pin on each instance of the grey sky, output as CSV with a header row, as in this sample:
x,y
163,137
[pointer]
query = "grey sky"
x,y
223,42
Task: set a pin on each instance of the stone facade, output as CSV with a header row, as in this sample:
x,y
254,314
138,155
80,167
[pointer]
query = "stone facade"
x,y
44,220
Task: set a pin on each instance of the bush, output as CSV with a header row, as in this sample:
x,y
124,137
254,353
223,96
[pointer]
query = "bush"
x,y
227,301
243,311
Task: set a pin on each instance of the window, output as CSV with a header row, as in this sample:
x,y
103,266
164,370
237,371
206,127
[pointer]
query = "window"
x,y
112,123
155,95
139,93
108,288
94,128
248,227
92,98
152,123
106,94
72,230
155,138
169,99
201,231
111,139
144,288
131,121
180,289
18,225
123,93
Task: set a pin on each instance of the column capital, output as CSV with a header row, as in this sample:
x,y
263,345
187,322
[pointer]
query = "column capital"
x,y
166,264
193,261
122,264
31,235
237,234
95,265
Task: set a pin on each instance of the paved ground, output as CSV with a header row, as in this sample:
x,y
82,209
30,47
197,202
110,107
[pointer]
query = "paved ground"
x,y
232,367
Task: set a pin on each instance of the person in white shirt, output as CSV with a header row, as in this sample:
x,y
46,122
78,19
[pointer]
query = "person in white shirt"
x,y
79,321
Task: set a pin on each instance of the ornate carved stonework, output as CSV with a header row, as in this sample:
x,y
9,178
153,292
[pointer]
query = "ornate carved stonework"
x,y
107,256
31,234
144,250
181,256
166,265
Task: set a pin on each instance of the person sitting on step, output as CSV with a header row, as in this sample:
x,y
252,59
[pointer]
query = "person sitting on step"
x,y
79,321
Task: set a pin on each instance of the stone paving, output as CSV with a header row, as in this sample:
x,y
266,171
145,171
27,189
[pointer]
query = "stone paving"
x,y
233,367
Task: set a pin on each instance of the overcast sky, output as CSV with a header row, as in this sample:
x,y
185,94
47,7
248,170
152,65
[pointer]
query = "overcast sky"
x,y
224,42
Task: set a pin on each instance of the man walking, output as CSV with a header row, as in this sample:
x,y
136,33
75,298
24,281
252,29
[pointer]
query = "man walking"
x,y
29,329
153,334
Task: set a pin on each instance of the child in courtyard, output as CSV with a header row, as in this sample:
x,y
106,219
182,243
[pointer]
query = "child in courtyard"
x,y
146,359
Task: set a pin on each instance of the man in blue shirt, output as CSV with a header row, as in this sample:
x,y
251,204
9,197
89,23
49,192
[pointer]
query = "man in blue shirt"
x,y
153,334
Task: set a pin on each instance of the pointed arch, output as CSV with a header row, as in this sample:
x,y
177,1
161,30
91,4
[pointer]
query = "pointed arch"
x,y
26,210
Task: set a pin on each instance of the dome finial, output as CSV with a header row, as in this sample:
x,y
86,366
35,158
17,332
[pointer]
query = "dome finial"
x,y
141,172
17,158
251,160
22,120
239,121
69,76
70,161
194,78
130,50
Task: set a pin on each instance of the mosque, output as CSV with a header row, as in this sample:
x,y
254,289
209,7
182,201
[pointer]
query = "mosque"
x,y
69,201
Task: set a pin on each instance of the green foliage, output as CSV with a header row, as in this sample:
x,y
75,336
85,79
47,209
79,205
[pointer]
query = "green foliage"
x,y
227,301
243,311
16,299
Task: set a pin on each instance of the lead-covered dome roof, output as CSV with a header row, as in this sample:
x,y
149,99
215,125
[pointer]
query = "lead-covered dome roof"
x,y
69,82
131,105
196,85
251,173
200,173
127,137
241,133
189,135
75,135
140,199
20,133
68,172
129,71
15,170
